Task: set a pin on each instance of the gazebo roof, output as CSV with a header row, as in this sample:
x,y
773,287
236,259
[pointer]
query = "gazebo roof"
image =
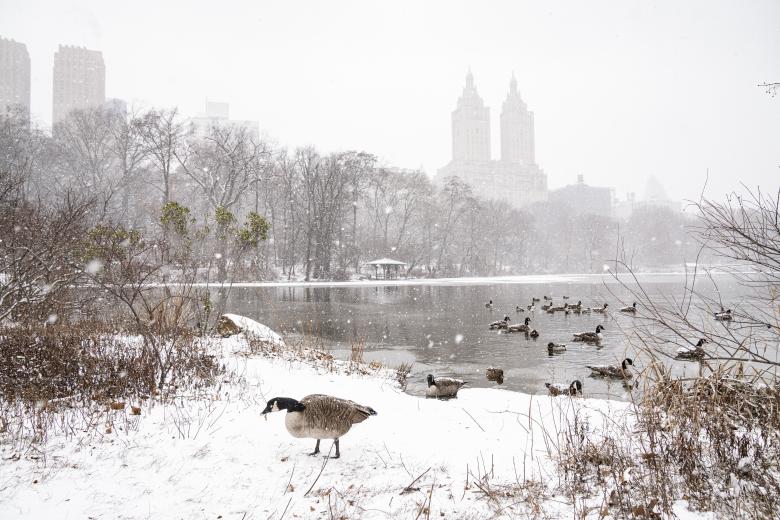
x,y
386,261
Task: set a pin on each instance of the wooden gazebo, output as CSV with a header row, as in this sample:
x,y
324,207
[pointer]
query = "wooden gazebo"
x,y
390,268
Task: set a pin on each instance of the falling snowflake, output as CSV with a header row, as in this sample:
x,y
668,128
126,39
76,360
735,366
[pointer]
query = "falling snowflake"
x,y
52,319
458,339
217,255
94,266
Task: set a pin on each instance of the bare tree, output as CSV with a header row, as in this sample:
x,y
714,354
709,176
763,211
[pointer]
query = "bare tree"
x,y
164,135
225,164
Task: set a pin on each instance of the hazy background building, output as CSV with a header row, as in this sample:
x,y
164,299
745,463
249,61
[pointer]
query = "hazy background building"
x,y
218,114
655,196
516,177
14,75
79,80
583,199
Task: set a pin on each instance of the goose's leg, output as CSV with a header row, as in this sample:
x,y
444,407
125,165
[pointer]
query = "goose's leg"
x,y
316,448
336,444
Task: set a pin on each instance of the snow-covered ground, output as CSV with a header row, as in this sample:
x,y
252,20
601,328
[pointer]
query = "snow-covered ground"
x,y
214,455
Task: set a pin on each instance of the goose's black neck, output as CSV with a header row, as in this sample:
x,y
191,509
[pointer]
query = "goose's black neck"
x,y
289,404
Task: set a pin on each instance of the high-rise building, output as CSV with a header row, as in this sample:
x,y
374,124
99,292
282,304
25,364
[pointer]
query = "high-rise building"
x,y
79,80
14,75
218,115
515,178
470,126
517,128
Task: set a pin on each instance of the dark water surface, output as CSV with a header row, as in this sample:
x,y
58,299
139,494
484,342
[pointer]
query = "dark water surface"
x,y
443,328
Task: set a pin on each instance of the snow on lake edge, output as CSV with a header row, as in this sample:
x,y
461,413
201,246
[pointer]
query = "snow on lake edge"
x,y
215,456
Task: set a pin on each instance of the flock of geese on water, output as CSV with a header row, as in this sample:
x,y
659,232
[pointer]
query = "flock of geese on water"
x,y
448,387
321,416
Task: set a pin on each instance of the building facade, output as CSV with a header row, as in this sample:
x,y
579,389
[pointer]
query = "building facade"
x,y
217,114
516,177
14,76
583,199
79,80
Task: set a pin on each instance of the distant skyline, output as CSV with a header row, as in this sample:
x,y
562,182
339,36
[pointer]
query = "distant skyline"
x,y
621,91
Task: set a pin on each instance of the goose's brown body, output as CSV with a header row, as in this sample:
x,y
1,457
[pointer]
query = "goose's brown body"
x,y
325,417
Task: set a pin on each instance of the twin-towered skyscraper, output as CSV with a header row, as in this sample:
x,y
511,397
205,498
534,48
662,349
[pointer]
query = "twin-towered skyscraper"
x,y
516,177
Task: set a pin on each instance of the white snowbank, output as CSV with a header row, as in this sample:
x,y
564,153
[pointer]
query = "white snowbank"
x,y
216,457
255,330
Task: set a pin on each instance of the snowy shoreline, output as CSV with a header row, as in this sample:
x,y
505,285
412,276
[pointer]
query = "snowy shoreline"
x,y
211,455
482,280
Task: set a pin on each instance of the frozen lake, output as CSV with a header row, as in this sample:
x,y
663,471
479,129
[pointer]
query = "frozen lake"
x,y
442,328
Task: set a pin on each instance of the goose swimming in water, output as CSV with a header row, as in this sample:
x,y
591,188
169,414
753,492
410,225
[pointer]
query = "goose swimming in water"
x,y
589,337
500,324
443,386
555,348
695,352
489,305
600,310
555,389
517,327
319,417
612,371
534,333
553,309
519,309
631,309
723,315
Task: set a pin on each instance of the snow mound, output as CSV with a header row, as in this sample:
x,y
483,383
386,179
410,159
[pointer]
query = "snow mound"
x,y
230,324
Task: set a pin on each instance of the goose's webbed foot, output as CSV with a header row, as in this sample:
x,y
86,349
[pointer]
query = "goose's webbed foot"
x,y
316,449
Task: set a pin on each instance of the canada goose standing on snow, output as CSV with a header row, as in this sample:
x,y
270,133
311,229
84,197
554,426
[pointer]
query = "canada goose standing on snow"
x,y
319,417
695,352
500,324
630,309
600,310
555,389
612,371
443,386
555,348
723,315
489,305
589,337
517,327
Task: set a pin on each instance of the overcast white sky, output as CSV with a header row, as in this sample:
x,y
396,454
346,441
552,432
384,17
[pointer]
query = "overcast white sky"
x,y
621,90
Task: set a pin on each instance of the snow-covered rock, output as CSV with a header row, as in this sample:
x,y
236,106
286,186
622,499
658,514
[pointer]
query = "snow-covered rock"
x,y
230,324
